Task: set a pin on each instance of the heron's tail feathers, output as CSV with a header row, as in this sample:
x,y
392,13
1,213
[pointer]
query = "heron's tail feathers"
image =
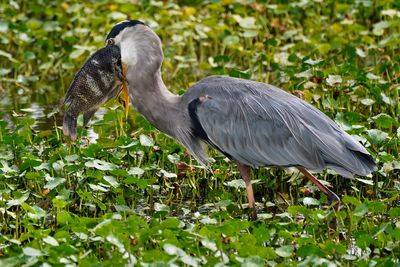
x,y
356,160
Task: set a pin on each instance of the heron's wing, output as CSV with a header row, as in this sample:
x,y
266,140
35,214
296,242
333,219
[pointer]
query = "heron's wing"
x,y
259,125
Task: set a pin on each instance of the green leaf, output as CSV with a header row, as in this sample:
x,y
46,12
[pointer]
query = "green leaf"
x,y
4,72
375,206
111,180
136,171
208,243
51,241
361,210
54,182
100,165
246,23
334,80
367,101
394,212
309,201
63,217
76,53
146,140
32,252
383,120
377,136
231,40
285,251
379,27
18,201
368,182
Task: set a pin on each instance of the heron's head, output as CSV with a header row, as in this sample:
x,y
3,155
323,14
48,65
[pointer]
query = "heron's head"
x,y
140,47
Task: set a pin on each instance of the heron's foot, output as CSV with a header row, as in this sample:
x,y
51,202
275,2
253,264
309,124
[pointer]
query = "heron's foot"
x,y
334,199
253,214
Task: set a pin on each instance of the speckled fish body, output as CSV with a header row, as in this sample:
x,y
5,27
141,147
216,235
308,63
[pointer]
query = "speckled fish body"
x,y
93,85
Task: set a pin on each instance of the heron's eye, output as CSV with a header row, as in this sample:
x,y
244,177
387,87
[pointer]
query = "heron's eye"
x,y
110,41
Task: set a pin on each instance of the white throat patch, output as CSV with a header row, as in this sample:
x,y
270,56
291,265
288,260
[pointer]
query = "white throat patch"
x,y
129,52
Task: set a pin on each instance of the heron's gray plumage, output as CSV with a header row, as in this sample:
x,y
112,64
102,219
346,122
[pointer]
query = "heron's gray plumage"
x,y
253,123
261,125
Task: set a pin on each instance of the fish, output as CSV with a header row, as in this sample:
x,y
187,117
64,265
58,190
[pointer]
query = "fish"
x,y
99,80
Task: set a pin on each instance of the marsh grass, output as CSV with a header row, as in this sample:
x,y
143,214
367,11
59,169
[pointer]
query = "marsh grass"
x,y
124,193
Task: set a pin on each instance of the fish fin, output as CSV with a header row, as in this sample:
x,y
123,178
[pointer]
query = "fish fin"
x,y
87,116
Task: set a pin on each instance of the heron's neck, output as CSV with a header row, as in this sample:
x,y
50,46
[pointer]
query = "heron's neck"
x,y
153,100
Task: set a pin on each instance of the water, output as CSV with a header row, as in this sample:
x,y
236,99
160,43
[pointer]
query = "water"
x,y
39,101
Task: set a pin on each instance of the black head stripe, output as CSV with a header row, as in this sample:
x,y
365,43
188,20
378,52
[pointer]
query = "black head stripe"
x,y
122,25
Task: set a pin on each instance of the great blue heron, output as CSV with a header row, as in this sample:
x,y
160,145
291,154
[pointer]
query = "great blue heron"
x,y
252,123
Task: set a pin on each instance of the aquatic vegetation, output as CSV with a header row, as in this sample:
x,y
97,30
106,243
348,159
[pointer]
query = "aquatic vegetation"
x,y
124,193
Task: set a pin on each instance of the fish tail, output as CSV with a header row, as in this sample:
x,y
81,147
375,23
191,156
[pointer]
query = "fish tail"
x,y
69,125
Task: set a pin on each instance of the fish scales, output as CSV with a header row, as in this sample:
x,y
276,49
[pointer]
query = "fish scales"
x,y
93,85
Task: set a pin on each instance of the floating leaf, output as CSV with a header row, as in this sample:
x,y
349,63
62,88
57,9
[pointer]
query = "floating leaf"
x,y
173,250
3,26
72,157
391,165
32,252
174,158
305,74
77,53
160,207
285,251
368,182
136,171
239,183
208,220
116,242
4,72
54,182
371,76
36,212
111,180
18,201
313,62
394,212
361,210
211,245
390,12
367,101
58,165
231,40
380,27
51,241
310,201
388,100
146,140
377,136
100,165
383,120
166,174
360,52
100,188
129,145
247,22
333,80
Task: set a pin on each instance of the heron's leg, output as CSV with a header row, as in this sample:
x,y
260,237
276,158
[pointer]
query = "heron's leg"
x,y
332,197
245,173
